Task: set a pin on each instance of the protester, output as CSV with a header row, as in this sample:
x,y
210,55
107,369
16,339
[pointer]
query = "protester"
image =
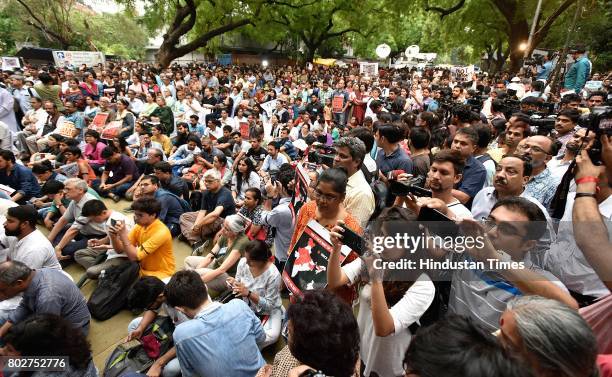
x,y
97,212
149,242
73,230
258,282
120,172
44,291
217,340
222,261
51,336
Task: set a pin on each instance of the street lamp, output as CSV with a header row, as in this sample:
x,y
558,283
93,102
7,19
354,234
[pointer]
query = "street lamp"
x,y
264,63
523,46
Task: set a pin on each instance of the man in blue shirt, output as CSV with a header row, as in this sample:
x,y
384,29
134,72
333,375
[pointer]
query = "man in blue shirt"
x,y
17,177
76,117
219,340
171,205
545,69
474,172
578,74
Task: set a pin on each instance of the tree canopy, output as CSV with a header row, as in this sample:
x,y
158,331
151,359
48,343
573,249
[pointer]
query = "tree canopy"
x,y
460,31
67,24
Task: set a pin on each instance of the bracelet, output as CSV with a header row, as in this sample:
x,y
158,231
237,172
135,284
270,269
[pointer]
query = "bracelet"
x,y
587,179
585,195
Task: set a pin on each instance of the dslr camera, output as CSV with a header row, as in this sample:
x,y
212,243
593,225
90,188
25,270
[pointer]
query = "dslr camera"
x,y
322,155
599,122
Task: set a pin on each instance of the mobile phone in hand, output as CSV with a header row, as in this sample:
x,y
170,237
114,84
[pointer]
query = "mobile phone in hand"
x,y
113,222
352,240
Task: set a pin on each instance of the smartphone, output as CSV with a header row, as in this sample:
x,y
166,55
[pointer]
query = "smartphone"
x,y
437,222
353,240
113,222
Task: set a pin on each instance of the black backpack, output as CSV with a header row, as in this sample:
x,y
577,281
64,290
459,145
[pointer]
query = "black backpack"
x,y
110,296
195,200
135,359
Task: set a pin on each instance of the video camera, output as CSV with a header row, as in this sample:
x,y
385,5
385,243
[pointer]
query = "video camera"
x,y
599,122
543,124
322,155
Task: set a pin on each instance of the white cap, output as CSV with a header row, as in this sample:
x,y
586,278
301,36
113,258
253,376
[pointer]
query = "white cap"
x,y
515,79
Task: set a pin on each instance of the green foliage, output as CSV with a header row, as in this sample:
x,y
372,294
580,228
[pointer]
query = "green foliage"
x,y
7,24
593,30
66,24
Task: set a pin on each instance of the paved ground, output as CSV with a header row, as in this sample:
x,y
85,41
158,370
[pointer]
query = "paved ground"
x,y
105,336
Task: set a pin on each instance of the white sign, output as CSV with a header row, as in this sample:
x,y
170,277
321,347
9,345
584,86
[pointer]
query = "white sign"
x,y
383,50
77,58
10,63
368,69
268,107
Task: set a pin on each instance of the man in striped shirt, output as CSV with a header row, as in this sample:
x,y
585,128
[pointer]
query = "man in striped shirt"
x,y
511,231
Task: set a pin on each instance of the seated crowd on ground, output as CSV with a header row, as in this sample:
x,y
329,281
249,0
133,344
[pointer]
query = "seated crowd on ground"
x,y
217,157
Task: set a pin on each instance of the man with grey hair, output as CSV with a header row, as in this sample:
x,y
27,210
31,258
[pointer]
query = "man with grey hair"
x,y
359,198
550,336
45,290
217,204
72,230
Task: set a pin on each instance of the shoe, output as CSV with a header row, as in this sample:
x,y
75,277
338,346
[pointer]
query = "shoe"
x,y
198,247
115,198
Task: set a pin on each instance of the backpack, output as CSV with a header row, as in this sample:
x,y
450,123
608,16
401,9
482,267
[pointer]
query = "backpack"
x,y
110,296
185,206
135,359
195,200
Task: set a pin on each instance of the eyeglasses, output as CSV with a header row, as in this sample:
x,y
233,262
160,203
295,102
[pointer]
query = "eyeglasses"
x,y
324,197
502,227
534,148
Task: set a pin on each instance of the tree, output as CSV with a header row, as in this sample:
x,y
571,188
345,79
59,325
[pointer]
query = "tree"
x,y
316,23
513,16
194,23
67,24
53,19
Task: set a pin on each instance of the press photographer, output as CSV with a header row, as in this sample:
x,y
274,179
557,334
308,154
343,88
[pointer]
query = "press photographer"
x,y
445,172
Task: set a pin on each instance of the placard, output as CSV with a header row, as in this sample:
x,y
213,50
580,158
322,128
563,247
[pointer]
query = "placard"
x,y
9,63
337,104
368,69
268,107
99,122
306,267
111,130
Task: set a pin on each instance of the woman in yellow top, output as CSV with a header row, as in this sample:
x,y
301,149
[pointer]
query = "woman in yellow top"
x,y
159,137
149,242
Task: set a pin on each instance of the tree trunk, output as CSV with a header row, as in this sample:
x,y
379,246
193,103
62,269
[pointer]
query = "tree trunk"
x,y
519,33
310,53
165,55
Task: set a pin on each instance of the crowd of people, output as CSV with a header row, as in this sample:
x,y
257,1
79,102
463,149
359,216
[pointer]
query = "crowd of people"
x,y
209,155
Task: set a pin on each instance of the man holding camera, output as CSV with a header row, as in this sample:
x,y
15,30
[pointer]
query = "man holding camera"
x,y
445,172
